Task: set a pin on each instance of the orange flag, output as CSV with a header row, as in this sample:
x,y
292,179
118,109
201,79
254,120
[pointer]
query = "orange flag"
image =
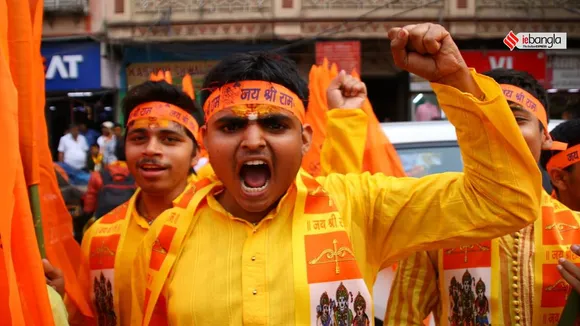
x,y
187,86
380,155
23,296
316,117
168,77
25,33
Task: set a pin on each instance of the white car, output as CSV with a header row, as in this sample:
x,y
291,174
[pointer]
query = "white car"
x,y
424,148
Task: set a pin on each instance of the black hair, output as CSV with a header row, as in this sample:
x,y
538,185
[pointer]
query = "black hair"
x,y
161,91
95,145
524,81
116,124
266,66
566,132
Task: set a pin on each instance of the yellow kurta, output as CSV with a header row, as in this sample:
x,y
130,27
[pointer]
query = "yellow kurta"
x,y
418,287
231,272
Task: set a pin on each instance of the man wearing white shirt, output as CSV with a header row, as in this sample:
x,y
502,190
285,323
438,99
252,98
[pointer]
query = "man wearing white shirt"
x,y
72,149
107,142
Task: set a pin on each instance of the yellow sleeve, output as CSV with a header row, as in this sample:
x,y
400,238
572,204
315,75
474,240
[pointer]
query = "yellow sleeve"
x,y
344,146
414,294
59,313
498,193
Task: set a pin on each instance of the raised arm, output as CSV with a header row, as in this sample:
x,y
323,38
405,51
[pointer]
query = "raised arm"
x,y
499,191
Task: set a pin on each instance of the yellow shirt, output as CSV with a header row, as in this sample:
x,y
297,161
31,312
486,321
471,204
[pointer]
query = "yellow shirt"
x,y
205,171
231,272
59,313
416,290
136,230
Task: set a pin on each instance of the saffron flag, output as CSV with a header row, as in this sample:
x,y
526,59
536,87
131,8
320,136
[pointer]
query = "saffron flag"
x,y
24,39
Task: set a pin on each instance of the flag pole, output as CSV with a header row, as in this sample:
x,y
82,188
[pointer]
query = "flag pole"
x,y
34,196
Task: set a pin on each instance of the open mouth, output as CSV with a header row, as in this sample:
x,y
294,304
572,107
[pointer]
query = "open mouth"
x,y
152,168
255,176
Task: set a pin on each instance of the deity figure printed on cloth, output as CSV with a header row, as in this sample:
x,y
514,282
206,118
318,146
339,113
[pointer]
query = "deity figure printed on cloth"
x,y
481,305
324,315
343,314
360,305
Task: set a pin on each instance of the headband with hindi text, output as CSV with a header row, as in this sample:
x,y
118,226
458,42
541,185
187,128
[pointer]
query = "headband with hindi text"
x,y
531,104
250,95
155,112
564,158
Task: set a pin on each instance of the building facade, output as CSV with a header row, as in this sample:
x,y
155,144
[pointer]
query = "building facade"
x,y
189,36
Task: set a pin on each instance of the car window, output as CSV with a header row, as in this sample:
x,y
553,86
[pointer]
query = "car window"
x,y
422,159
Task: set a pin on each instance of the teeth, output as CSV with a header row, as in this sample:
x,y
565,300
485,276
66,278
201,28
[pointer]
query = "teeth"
x,y
251,189
255,162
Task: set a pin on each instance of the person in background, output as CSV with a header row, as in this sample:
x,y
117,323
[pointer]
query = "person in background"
x,y
564,170
91,135
458,284
109,188
106,140
72,155
94,159
571,113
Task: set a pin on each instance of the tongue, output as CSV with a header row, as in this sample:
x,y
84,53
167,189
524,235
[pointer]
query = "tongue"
x,y
255,176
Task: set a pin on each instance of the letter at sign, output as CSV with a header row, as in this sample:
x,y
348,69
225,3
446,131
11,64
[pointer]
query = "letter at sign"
x,y
501,62
66,66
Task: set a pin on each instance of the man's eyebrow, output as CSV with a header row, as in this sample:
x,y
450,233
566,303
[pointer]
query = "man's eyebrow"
x,y
230,119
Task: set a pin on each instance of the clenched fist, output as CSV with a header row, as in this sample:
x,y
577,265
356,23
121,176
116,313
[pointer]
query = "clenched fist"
x,y
346,92
427,50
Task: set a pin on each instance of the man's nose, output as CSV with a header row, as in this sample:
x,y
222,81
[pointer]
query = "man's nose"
x,y
253,137
153,147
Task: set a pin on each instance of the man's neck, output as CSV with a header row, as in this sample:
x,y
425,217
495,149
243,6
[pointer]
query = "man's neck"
x,y
151,205
566,198
230,204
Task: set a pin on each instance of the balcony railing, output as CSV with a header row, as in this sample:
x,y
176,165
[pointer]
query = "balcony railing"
x,y
206,6
66,6
528,4
369,4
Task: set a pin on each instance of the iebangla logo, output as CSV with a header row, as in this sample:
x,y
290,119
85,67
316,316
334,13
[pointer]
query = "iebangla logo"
x,y
526,40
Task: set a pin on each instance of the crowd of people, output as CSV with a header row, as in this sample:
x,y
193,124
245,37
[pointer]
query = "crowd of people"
x,y
259,241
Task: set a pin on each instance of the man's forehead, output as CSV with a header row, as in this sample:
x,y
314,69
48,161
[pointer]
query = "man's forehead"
x,y
248,115
155,126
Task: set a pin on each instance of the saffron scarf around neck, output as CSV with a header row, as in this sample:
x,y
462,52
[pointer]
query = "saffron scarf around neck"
x,y
329,285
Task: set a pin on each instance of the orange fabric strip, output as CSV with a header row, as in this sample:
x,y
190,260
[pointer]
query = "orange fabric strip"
x,y
530,103
154,111
527,101
564,159
253,92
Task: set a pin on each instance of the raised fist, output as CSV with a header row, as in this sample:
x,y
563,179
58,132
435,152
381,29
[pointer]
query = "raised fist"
x,y
346,92
426,50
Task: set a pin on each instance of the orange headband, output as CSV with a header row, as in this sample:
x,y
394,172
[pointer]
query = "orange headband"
x,y
164,111
254,92
564,159
531,104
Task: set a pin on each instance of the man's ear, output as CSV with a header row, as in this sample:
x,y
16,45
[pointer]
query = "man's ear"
x,y
558,177
546,141
306,138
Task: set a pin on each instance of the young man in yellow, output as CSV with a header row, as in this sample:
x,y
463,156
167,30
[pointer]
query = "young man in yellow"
x,y
263,243
160,148
512,280
564,169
